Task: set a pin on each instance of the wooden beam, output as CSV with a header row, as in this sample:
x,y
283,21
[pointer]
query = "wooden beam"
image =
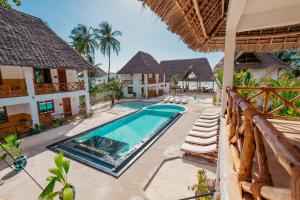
x,y
196,7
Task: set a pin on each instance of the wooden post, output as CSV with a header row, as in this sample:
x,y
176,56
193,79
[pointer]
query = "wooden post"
x,y
264,174
248,149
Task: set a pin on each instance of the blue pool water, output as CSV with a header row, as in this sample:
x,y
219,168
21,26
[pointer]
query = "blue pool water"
x,y
113,146
135,104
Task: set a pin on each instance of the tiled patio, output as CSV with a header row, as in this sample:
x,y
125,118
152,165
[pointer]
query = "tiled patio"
x,y
93,184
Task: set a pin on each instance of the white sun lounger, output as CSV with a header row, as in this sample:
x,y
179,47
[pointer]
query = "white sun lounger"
x,y
203,134
205,124
209,117
205,129
198,150
210,114
171,100
201,141
208,120
177,100
184,101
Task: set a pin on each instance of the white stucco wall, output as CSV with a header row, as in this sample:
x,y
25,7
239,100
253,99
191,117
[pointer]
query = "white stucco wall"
x,y
72,76
18,108
11,72
137,84
260,73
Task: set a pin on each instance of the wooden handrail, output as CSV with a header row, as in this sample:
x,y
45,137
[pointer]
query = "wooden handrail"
x,y
247,129
269,95
47,88
14,90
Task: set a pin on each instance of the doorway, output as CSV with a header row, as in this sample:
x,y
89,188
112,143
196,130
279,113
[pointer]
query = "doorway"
x,y
67,106
62,79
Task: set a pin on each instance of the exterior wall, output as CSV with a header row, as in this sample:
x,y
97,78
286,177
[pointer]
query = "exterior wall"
x,y
11,72
18,108
137,85
28,104
260,73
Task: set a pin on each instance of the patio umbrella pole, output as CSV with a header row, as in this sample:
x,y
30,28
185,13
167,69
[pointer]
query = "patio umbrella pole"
x,y
23,169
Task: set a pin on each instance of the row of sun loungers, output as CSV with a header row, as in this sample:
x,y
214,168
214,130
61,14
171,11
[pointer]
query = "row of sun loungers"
x,y
202,140
177,100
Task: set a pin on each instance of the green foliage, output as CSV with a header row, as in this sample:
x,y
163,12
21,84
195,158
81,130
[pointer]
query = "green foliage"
x,y
292,58
112,89
58,174
214,99
286,79
175,78
84,41
6,4
202,186
107,41
12,145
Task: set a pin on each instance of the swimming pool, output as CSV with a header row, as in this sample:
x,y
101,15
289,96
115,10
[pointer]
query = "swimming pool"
x,y
135,104
112,147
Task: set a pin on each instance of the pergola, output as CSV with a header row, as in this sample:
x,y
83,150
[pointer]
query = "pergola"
x,y
242,25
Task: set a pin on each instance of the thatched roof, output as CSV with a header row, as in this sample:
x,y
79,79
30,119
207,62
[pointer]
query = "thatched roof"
x,y
27,41
141,63
97,72
254,60
201,25
199,66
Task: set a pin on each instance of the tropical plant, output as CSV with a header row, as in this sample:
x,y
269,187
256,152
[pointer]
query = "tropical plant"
x,y
286,79
59,174
107,41
112,89
6,4
12,145
84,41
292,58
174,81
202,187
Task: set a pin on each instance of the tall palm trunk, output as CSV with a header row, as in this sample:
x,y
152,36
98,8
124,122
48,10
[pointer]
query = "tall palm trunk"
x,y
108,74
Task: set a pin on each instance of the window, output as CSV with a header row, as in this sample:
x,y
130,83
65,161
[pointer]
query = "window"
x,y
3,115
130,90
42,75
46,107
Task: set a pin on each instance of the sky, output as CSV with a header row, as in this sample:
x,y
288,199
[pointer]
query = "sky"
x,y
141,29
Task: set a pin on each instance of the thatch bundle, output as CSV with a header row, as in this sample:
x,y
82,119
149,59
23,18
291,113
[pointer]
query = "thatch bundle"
x,y
201,25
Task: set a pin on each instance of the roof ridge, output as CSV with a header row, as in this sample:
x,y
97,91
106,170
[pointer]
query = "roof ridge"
x,y
184,59
19,12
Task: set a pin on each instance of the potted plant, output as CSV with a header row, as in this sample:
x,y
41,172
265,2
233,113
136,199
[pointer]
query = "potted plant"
x,y
59,174
12,146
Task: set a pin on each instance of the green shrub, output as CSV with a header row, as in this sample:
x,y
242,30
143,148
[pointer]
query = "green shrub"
x,y
202,187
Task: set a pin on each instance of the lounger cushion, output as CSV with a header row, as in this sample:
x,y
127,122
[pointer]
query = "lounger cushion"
x,y
201,141
205,129
209,117
201,124
208,120
203,134
198,149
210,114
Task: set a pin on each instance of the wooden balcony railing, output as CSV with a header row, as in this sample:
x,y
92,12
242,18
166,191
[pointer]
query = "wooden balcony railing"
x,y
273,102
18,127
248,129
14,90
151,80
48,88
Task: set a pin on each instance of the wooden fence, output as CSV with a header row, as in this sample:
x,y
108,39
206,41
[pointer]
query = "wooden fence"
x,y
248,129
47,88
272,101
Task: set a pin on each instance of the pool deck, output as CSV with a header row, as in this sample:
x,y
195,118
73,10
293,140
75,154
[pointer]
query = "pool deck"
x,y
93,184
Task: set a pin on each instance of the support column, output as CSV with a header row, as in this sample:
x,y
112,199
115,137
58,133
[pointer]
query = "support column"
x,y
87,94
28,74
165,87
157,83
146,85
235,10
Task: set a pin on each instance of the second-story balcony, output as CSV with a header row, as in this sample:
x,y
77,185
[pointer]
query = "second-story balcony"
x,y
13,90
48,88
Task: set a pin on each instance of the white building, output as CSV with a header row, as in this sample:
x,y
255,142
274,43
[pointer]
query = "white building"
x,y
261,64
38,74
195,74
142,77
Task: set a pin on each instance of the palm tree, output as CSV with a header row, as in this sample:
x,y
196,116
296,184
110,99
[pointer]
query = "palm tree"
x,y
107,41
175,80
84,41
292,58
